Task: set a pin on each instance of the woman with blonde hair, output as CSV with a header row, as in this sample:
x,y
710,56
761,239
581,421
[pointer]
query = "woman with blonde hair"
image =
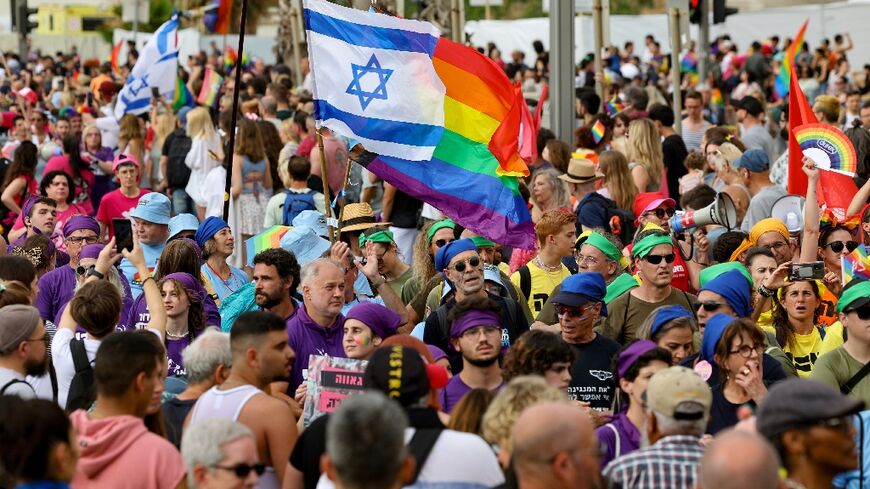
x,y
548,192
131,141
251,179
644,145
618,184
827,109
162,125
205,154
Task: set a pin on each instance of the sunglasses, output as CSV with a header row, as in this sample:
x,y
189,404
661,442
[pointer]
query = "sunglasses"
x,y
473,262
441,242
708,306
81,270
661,213
837,246
573,311
656,259
863,312
242,470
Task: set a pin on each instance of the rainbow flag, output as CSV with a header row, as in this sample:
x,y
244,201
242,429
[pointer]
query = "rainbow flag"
x,y
614,106
787,66
716,99
689,64
265,240
183,97
856,265
211,84
598,131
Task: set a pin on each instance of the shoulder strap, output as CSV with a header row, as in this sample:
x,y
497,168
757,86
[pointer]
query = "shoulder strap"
x,y
441,317
420,446
79,355
617,449
525,280
850,384
13,382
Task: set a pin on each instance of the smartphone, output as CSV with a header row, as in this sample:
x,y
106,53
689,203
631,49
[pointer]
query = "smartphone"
x,y
806,271
90,99
155,92
123,234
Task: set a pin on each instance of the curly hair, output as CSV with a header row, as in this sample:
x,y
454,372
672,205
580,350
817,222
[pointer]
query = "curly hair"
x,y
785,333
536,352
520,394
284,262
727,243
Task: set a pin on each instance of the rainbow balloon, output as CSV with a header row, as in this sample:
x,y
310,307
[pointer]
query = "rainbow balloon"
x,y
828,147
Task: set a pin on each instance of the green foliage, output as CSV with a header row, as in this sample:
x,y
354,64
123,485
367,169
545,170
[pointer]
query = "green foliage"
x,y
159,12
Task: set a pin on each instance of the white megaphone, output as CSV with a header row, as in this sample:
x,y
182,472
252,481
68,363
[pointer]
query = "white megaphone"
x,y
721,211
790,210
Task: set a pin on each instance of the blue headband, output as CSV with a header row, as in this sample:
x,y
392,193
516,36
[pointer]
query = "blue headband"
x,y
208,229
732,286
716,325
667,314
450,250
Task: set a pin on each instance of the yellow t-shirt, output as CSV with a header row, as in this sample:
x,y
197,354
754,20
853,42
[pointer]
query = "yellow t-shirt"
x,y
803,351
542,284
833,338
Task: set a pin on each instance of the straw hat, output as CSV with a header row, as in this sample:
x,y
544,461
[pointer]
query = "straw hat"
x,y
357,217
581,171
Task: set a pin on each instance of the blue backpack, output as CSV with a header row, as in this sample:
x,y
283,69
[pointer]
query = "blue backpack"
x,y
294,203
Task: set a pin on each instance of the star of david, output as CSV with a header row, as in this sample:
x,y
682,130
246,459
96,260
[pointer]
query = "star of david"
x,y
379,92
137,84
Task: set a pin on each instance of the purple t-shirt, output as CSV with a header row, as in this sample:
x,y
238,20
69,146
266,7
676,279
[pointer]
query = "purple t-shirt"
x,y
309,338
126,304
629,438
174,347
456,388
56,288
138,315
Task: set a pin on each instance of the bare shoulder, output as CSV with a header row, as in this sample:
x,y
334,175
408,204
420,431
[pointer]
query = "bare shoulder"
x,y
263,405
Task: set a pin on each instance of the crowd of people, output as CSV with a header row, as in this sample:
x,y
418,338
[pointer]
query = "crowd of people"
x,y
143,344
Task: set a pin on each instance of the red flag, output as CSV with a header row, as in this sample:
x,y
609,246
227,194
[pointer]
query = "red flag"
x,y
545,93
528,136
799,113
116,51
223,17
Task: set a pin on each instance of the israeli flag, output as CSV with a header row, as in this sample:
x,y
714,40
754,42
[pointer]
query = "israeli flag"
x,y
157,67
374,81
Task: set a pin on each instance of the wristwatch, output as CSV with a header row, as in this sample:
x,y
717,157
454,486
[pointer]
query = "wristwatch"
x,y
92,272
764,291
376,284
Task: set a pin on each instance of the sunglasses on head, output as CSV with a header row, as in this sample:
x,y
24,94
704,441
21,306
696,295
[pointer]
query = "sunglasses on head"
x,y
473,262
708,306
837,246
242,470
656,259
661,213
441,242
863,312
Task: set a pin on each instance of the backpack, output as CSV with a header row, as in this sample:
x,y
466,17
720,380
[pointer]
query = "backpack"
x,y
621,223
294,203
81,390
177,171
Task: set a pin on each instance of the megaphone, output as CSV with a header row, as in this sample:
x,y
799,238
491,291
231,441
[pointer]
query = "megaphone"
x,y
790,210
721,211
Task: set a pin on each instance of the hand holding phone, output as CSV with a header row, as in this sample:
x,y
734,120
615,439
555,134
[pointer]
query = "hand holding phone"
x,y
806,271
123,229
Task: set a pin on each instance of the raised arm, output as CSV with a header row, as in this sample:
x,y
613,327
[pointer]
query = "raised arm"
x,y
860,198
810,243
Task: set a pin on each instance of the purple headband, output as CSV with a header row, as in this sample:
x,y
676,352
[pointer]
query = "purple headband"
x,y
189,282
629,356
79,222
28,205
472,319
382,321
91,251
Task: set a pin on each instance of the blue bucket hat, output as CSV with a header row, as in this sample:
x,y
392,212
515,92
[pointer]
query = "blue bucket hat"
x,y
581,288
182,222
305,244
153,207
312,219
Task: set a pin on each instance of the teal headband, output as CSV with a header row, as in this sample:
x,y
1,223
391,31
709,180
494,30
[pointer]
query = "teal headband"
x,y
442,224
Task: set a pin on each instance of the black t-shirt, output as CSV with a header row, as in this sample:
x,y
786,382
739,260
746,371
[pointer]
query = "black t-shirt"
x,y
513,325
674,154
175,149
174,412
592,373
405,209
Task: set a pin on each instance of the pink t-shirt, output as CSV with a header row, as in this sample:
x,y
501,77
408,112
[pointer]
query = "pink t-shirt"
x,y
82,192
116,205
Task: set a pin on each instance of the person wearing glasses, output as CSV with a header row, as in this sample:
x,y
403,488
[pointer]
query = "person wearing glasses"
x,y
810,425
843,367
656,209
390,264
655,260
23,349
462,268
579,305
57,286
221,453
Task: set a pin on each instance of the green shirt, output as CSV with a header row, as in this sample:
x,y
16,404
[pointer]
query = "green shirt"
x,y
836,367
397,284
626,313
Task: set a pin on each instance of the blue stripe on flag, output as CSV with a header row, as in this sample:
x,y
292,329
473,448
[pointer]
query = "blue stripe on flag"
x,y
369,36
408,133
138,104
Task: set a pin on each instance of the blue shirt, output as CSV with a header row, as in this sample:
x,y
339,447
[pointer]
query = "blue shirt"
x,y
152,254
223,287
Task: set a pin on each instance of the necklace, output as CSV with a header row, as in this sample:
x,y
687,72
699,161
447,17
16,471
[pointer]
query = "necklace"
x,y
545,268
179,336
226,281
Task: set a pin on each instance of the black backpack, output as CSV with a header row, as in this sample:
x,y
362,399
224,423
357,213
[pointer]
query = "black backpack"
x,y
81,390
177,172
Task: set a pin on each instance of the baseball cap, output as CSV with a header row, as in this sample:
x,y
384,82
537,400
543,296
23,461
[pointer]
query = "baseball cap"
x,y
796,403
580,288
648,201
123,159
182,222
153,207
399,372
311,219
678,393
754,160
750,104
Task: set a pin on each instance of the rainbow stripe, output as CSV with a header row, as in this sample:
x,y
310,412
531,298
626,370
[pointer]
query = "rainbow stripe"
x,y
828,147
472,176
716,99
211,84
614,106
830,219
598,131
266,240
182,97
856,265
787,66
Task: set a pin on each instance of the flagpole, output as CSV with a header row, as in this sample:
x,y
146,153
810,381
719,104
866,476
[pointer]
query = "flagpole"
x,y
228,157
343,193
323,175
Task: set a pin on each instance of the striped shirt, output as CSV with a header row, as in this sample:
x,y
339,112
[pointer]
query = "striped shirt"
x,y
671,462
693,138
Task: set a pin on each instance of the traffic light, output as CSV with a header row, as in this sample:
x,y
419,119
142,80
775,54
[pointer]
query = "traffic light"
x,y
695,11
720,11
23,24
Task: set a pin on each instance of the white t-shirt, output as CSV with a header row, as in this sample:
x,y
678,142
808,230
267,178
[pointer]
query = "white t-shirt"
x,y
21,389
458,460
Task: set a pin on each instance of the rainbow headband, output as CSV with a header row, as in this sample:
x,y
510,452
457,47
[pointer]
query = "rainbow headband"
x,y
829,220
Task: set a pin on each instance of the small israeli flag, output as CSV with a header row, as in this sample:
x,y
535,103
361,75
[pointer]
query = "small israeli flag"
x,y
157,67
374,80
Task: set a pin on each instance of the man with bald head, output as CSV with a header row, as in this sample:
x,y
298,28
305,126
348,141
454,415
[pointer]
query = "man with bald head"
x,y
757,467
317,328
544,458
